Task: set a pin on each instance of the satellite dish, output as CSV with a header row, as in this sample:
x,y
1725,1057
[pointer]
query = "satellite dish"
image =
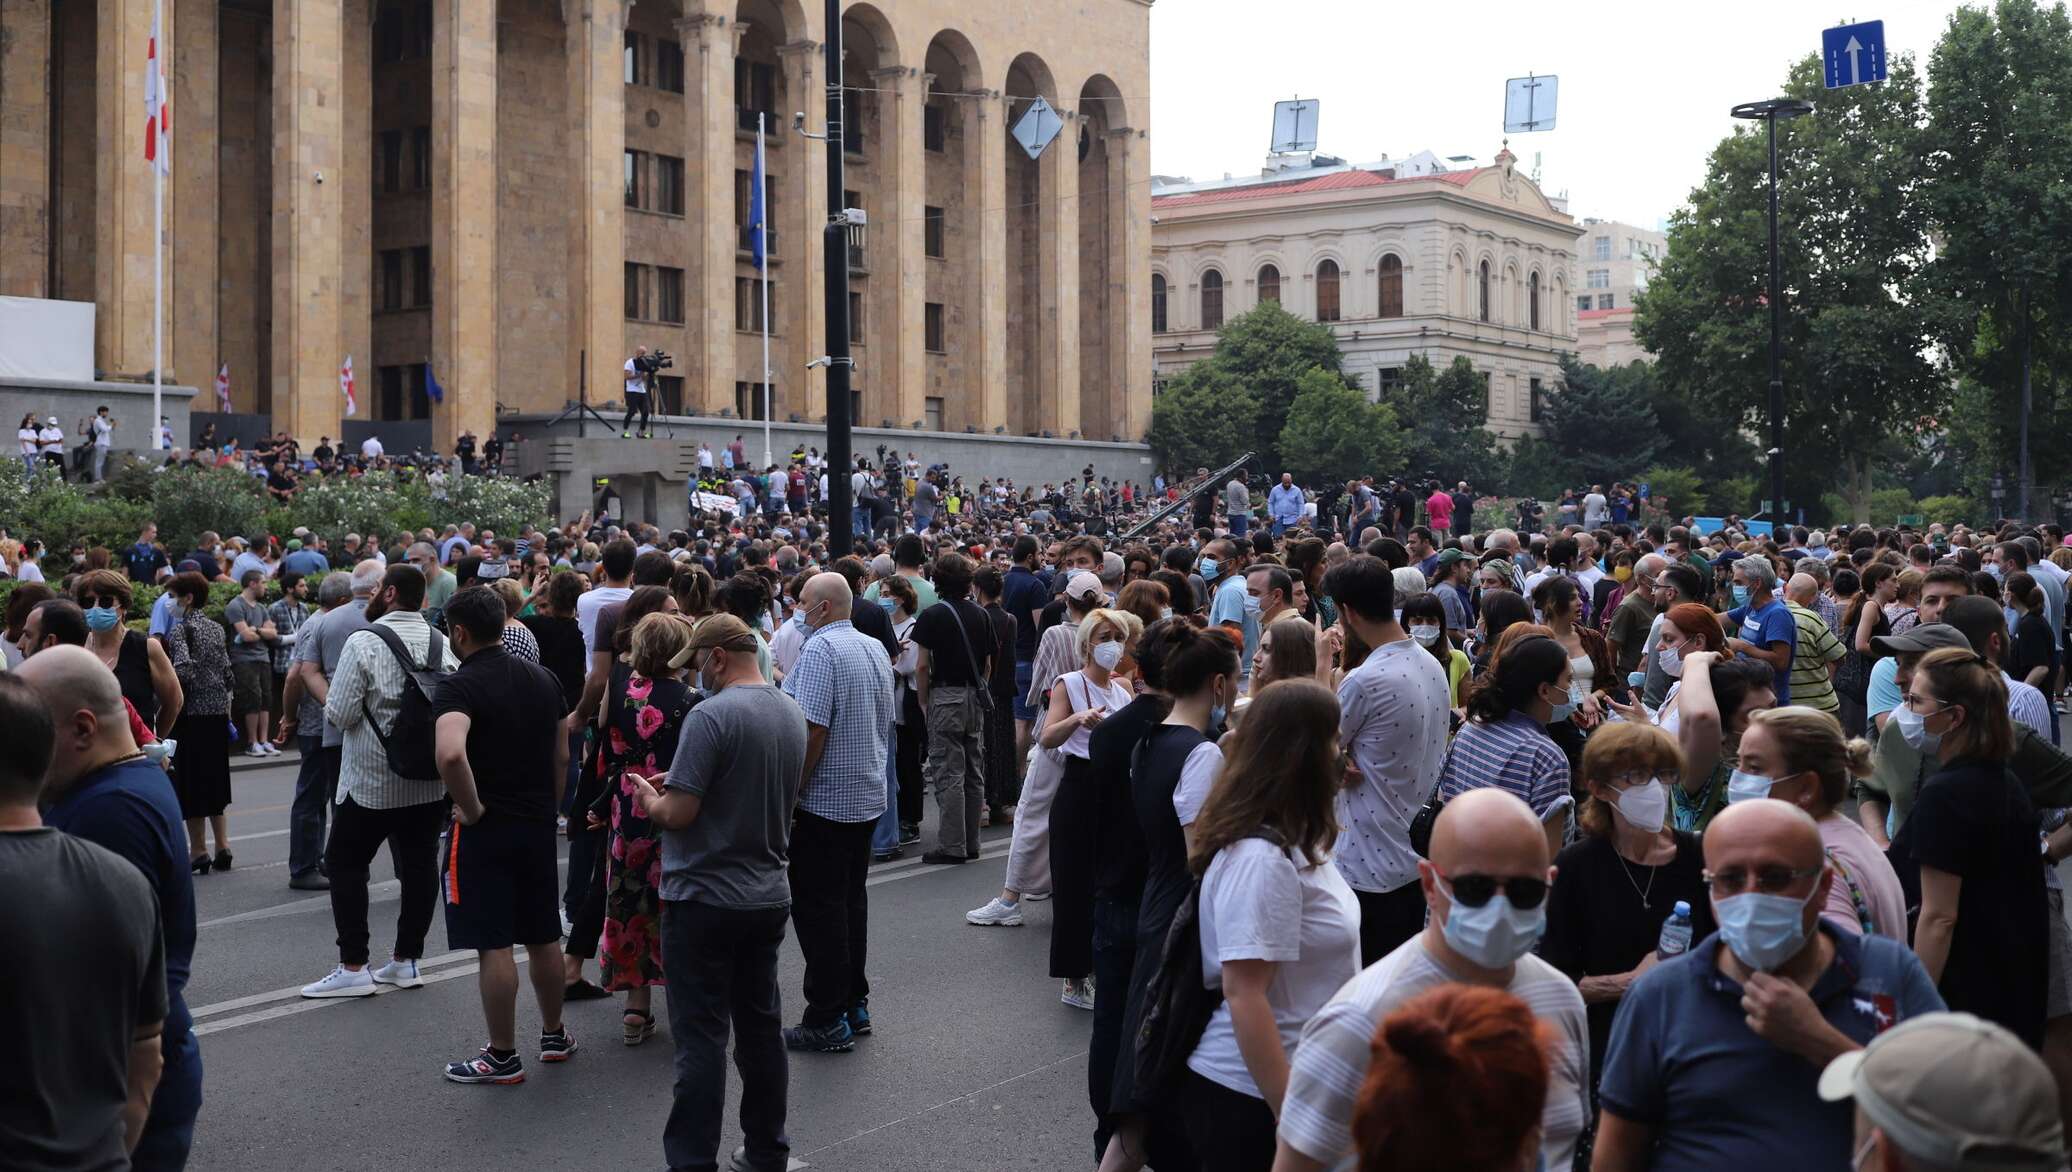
x,y
1294,126
1529,103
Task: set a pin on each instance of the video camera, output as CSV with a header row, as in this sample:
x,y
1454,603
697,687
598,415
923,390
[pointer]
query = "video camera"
x,y
656,360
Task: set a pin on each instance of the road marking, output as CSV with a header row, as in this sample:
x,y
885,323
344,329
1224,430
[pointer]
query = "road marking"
x,y
236,1003
305,1005
260,834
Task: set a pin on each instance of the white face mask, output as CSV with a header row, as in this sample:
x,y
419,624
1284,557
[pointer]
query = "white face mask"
x,y
1426,634
1672,662
1645,806
1108,655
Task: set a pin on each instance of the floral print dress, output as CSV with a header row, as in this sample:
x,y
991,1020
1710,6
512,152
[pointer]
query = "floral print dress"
x,y
642,720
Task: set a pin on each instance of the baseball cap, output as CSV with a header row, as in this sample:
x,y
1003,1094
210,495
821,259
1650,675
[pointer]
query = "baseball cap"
x,y
1926,637
1082,584
1449,556
724,631
1954,1091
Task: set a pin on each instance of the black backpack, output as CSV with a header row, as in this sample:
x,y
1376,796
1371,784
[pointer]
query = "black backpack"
x,y
412,745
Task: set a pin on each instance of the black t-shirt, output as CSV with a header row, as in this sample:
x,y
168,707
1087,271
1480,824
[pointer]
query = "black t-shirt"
x,y
1973,820
279,480
1598,925
1121,858
936,630
2033,645
1463,512
515,709
870,618
561,652
324,454
1004,632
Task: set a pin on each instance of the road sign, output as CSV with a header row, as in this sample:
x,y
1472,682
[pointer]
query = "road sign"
x,y
1854,54
1294,126
1037,128
1529,103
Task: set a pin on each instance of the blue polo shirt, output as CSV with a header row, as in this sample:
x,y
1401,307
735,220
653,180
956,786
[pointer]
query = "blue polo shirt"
x,y
1683,1061
129,808
1022,593
1766,625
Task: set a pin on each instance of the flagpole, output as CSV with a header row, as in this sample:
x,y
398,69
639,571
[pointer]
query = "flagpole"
x,y
763,278
158,261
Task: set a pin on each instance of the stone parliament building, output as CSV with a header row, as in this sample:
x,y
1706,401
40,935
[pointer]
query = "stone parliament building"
x,y
518,192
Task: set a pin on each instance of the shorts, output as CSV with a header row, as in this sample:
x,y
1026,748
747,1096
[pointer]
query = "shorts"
x,y
1023,673
253,690
2057,998
501,883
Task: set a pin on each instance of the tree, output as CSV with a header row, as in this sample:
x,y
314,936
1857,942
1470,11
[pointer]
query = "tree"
x,y
1859,317
1443,416
1268,350
1205,418
1603,421
1334,434
1999,99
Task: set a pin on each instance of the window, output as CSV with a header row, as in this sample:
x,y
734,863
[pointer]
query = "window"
x,y
749,399
669,295
1391,286
1597,279
856,318
933,120
632,179
421,276
668,185
388,160
392,279
669,66
636,71
668,394
635,287
1269,283
1583,302
1604,300
1488,402
1601,248
931,413
852,122
748,304
402,393
1532,300
1158,304
854,199
932,329
1389,380
1212,300
391,404
932,244
1327,291
1482,296
755,91
421,157
1539,403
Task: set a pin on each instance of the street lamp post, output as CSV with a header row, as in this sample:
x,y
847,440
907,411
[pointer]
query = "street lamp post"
x,y
1770,111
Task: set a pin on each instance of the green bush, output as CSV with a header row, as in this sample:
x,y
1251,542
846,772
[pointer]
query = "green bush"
x,y
1949,510
1733,494
1677,488
189,501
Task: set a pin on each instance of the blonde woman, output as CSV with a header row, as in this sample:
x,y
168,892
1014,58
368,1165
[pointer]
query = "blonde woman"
x,y
517,638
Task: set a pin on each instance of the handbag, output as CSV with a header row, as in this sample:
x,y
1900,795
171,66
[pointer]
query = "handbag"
x,y
985,694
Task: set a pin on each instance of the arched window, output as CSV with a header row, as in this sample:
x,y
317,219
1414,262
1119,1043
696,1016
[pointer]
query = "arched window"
x,y
1327,291
1483,296
1269,283
1532,299
1158,304
1391,286
1212,300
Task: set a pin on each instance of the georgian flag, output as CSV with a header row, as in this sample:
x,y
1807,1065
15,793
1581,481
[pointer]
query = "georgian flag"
x,y
223,389
345,385
158,114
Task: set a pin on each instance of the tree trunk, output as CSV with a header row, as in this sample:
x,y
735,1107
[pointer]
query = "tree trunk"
x,y
1856,485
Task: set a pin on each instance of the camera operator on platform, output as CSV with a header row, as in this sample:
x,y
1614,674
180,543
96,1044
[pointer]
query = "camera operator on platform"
x,y
640,374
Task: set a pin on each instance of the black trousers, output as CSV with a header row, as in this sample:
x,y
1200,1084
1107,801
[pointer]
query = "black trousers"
x,y
1388,918
635,402
831,912
1073,816
1232,1132
585,907
910,746
721,964
1115,959
412,835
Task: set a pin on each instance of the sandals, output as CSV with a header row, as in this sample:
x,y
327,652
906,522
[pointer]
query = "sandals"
x,y
640,1026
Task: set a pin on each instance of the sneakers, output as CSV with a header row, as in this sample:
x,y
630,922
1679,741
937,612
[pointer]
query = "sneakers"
x,y
1078,994
310,881
909,833
400,973
487,1067
625,435
267,749
859,1017
559,1046
997,914
253,750
834,1038
343,982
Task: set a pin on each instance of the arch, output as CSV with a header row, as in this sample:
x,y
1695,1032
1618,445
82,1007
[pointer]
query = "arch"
x,y
784,20
1101,99
1158,303
1482,309
1035,78
1532,300
953,63
952,179
1389,283
1328,308
1212,299
875,25
1509,290
1033,271
1269,283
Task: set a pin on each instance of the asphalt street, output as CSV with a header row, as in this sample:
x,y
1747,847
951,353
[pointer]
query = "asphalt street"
x,y
974,1064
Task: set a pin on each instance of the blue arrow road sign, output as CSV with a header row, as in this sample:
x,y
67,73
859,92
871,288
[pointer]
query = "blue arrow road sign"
x,y
1854,53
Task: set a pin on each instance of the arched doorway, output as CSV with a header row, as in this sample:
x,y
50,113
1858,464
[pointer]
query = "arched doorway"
x,y
1103,245
953,233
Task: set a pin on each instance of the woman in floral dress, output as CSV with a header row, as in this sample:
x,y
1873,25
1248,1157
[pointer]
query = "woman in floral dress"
x,y
644,710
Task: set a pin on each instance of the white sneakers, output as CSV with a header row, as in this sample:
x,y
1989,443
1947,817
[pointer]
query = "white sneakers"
x,y
400,973
344,982
1078,994
253,750
997,914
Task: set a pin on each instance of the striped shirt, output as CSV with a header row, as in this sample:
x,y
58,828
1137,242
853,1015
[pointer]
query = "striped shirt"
x,y
844,683
1514,754
369,682
1811,683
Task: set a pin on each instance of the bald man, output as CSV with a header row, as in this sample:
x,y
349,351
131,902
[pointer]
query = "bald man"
x,y
1716,1054
103,789
1817,654
1485,886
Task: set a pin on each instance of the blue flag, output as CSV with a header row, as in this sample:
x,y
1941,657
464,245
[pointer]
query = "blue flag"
x,y
432,389
756,211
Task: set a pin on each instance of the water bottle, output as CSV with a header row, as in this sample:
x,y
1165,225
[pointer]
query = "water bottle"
x,y
1675,939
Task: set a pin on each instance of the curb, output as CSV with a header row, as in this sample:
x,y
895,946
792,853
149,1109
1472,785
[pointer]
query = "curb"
x,y
239,763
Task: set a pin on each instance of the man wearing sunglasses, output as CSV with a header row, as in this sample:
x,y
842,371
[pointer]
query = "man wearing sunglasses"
x,y
1716,1056
1485,887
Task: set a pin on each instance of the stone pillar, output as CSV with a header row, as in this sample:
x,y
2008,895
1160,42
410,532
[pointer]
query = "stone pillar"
x,y
356,231
1058,373
597,243
903,293
801,287
123,220
25,148
1129,284
308,193
192,199
710,43
464,288
986,174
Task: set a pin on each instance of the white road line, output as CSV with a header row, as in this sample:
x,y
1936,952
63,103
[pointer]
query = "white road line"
x,y
220,1007
375,891
306,1005
260,834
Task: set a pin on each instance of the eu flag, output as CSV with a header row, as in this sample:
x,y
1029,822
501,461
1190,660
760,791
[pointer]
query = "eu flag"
x,y
432,389
756,210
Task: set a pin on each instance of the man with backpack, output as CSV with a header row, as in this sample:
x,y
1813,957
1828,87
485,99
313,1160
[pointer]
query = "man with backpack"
x,y
389,790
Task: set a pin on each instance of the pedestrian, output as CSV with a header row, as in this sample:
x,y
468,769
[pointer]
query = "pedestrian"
x,y
201,769
287,614
953,678
342,599
898,599
1003,785
502,761
1503,743
142,668
253,638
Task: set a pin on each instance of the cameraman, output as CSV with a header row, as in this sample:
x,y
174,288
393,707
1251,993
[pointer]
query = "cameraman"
x,y
639,369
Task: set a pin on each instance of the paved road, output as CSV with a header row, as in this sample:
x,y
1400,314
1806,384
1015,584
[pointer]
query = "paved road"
x,y
974,1063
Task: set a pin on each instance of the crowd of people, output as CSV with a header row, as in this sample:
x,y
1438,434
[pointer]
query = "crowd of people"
x,y
1369,836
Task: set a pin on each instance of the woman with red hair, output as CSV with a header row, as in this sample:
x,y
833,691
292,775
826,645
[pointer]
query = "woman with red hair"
x,y
1458,1081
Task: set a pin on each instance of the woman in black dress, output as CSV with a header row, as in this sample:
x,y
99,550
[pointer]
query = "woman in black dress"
x,y
201,766
142,668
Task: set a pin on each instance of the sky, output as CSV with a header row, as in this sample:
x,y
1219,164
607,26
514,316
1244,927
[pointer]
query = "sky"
x,y
1645,85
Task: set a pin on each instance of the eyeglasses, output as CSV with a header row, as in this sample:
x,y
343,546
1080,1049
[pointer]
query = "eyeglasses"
x,y
1914,699
1772,880
107,600
1476,890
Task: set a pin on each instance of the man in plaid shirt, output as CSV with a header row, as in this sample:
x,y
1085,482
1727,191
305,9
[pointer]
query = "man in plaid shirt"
x,y
287,614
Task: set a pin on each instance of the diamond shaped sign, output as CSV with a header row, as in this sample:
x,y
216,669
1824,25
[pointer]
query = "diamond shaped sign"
x,y
1038,127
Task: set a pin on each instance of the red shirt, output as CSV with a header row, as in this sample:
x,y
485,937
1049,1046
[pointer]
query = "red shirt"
x,y
1440,508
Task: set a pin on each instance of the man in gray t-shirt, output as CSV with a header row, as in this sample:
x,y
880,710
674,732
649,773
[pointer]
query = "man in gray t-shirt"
x,y
317,646
742,754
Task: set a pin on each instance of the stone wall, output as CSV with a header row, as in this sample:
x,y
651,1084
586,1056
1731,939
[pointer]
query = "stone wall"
x,y
533,165
71,402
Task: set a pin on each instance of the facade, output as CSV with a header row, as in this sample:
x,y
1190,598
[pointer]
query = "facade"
x,y
1615,261
514,193
1604,337
1472,262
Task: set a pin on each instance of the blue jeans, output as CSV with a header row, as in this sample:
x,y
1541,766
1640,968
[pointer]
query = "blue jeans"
x,y
721,964
860,521
316,786
1238,525
885,837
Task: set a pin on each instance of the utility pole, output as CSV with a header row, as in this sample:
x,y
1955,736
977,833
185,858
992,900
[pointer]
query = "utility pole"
x,y
841,463
1770,111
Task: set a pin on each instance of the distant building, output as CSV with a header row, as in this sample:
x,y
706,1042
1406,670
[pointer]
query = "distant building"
x,y
1616,261
1424,256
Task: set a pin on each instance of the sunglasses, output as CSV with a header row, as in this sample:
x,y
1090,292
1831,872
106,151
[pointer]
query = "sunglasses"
x,y
105,600
1772,880
1476,890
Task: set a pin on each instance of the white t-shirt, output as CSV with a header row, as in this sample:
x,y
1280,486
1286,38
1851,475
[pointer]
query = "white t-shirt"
x,y
103,431
370,447
28,437
1596,510
52,438
588,603
1197,776
1259,903
1081,693
637,385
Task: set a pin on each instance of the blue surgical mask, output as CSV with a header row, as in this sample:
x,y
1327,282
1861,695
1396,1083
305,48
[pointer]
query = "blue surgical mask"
x,y
889,604
1495,935
1743,786
1251,604
1994,569
1563,710
1208,569
1636,679
1165,612
102,618
1764,931
1740,595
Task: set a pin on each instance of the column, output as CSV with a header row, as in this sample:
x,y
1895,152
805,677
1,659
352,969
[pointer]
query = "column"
x,y
1129,280
597,242
25,148
308,193
1058,246
124,215
464,218
986,170
710,46
192,199
900,358
356,198
801,325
